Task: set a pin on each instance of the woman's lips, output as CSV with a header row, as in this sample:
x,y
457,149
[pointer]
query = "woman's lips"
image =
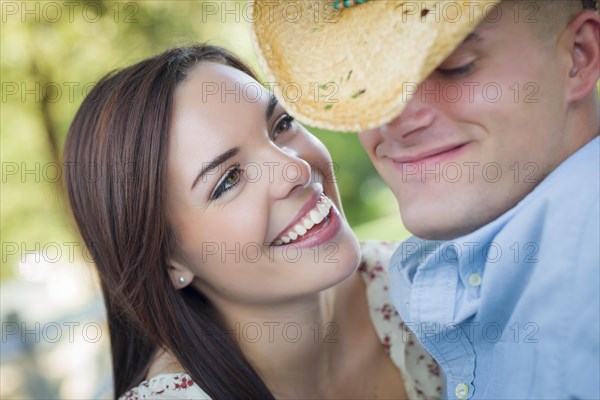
x,y
321,233
306,224
310,204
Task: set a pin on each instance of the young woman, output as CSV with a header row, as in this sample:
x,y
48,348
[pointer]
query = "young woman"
x,y
227,266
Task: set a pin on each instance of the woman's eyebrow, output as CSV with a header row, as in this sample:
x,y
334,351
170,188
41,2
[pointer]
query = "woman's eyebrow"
x,y
271,107
221,158
218,160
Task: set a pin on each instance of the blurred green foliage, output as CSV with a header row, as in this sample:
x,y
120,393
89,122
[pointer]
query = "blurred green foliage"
x,y
50,55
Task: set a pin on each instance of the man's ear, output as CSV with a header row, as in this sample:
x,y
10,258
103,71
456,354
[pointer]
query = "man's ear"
x,y
584,37
180,274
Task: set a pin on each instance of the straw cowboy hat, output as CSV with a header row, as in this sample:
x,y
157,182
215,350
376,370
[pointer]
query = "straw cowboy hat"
x,y
349,65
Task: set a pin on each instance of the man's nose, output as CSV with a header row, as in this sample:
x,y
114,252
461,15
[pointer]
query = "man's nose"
x,y
416,116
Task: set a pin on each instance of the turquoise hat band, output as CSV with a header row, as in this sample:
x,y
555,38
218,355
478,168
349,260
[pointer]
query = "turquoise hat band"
x,y
339,4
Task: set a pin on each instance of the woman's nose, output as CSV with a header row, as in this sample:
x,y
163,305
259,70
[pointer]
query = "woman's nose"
x,y
288,172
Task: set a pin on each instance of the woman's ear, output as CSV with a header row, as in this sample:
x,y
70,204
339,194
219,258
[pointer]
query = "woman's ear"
x,y
585,55
181,276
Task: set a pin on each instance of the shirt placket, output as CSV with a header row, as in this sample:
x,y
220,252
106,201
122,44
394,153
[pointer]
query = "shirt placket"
x,y
432,304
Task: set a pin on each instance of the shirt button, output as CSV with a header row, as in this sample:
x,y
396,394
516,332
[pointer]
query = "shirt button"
x,y
475,279
462,391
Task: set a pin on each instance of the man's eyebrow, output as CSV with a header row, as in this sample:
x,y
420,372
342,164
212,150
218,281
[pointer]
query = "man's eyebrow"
x,y
218,160
271,107
473,37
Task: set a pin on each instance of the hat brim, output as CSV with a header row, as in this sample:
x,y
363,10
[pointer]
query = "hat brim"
x,y
355,69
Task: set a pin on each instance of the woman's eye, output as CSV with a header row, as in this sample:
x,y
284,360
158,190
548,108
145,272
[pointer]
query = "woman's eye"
x,y
284,124
458,71
229,180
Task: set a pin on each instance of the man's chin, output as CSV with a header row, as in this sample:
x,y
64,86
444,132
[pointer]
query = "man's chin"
x,y
435,225
433,233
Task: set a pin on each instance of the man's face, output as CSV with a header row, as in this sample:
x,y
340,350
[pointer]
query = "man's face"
x,y
479,134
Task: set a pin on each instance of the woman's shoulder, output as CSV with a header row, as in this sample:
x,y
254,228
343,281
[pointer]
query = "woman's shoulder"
x,y
376,251
421,373
167,386
375,260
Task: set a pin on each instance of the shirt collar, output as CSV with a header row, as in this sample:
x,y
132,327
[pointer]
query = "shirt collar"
x,y
471,251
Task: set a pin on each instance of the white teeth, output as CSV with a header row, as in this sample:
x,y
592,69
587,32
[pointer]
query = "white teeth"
x,y
300,229
323,209
312,218
316,216
308,223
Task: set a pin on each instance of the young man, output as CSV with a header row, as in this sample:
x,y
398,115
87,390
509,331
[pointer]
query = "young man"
x,y
505,293
500,185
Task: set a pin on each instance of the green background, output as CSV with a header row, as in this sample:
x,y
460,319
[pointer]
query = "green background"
x,y
51,55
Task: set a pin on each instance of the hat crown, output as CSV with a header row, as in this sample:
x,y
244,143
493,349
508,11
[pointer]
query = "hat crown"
x,y
355,68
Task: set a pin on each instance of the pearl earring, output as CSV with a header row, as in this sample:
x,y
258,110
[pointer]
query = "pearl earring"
x,y
181,279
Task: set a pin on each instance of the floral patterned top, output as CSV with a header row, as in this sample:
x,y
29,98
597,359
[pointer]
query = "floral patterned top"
x,y
422,378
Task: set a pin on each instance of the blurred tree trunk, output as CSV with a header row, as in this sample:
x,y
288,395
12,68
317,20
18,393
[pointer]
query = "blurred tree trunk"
x,y
50,125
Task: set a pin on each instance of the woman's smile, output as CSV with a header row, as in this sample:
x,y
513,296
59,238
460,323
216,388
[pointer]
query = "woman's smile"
x,y
313,225
292,205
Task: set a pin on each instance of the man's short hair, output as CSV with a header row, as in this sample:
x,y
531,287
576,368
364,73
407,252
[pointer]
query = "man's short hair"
x,y
553,15
591,4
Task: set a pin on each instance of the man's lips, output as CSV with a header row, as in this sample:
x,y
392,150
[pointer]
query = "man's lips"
x,y
433,154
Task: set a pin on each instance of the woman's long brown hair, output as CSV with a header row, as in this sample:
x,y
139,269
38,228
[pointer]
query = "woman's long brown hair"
x,y
116,161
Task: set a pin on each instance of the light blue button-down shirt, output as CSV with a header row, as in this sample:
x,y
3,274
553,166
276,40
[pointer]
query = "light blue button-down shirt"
x,y
512,310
